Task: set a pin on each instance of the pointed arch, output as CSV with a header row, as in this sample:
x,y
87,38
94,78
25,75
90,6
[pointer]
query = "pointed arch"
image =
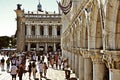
x,y
83,31
86,38
110,23
98,41
117,30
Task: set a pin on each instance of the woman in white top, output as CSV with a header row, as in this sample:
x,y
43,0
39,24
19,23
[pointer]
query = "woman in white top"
x,y
14,71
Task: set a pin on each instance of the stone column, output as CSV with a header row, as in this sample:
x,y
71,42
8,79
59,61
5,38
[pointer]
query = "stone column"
x,y
113,62
29,29
98,66
76,64
37,46
54,47
63,53
37,30
45,30
81,68
54,30
114,74
88,68
28,47
46,47
60,30
73,62
69,56
20,29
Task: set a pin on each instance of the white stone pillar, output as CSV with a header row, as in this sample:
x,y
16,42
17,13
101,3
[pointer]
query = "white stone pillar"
x,y
54,30
28,29
81,68
98,69
114,74
46,47
63,53
73,62
37,46
88,68
70,60
76,64
69,56
54,47
37,30
45,30
28,47
60,30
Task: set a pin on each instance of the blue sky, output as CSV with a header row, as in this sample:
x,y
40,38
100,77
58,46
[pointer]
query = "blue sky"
x,y
7,16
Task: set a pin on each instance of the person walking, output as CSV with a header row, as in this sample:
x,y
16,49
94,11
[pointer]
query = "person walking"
x,y
67,70
29,69
20,71
56,60
34,69
2,63
8,64
52,62
40,66
13,71
59,62
45,67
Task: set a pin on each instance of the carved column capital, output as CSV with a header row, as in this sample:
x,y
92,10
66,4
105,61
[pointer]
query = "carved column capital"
x,y
85,53
112,59
97,57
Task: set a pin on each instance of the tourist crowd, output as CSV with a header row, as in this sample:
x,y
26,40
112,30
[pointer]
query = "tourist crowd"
x,y
16,63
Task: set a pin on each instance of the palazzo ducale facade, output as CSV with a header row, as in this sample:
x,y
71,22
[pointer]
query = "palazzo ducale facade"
x,y
38,30
91,38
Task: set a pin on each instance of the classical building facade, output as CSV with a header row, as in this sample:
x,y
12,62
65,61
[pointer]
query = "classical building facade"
x,y
91,38
39,30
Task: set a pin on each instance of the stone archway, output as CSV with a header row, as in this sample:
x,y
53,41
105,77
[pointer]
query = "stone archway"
x,y
83,31
26,47
58,47
50,48
33,46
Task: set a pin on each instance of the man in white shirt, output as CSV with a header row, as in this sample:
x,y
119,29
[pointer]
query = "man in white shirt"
x,y
14,71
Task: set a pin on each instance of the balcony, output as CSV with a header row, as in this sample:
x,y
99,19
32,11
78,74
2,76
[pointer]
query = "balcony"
x,y
38,38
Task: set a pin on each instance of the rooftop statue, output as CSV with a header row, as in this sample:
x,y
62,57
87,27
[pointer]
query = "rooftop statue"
x,y
19,6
